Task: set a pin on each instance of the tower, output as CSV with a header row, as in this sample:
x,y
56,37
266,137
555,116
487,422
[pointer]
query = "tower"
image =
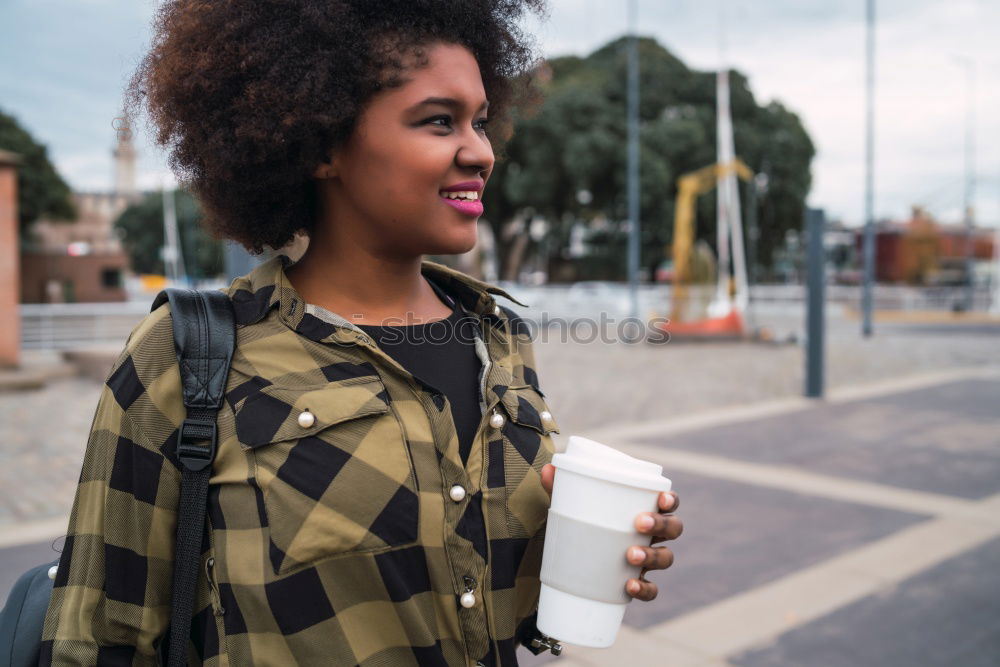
x,y
124,154
728,217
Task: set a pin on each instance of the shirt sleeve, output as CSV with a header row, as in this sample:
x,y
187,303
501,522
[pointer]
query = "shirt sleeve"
x,y
111,598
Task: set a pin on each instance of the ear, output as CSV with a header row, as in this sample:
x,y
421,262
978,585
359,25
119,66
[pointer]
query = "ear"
x,y
328,168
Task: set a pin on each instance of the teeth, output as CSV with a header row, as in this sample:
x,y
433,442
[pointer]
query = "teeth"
x,y
471,195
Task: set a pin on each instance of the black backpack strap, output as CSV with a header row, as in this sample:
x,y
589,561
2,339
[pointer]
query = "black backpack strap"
x,y
204,336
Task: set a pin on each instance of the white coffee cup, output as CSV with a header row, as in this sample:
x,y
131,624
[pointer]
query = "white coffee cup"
x,y
597,494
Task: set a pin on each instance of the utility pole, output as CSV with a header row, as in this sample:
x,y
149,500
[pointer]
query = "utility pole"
x,y
173,258
633,161
995,301
969,191
869,237
756,190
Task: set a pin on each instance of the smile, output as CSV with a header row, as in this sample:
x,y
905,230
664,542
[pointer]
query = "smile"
x,y
465,202
470,195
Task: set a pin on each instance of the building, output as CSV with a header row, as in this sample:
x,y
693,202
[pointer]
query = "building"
x,y
921,251
10,332
82,260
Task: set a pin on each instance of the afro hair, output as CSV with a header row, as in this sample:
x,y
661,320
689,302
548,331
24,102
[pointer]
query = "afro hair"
x,y
249,96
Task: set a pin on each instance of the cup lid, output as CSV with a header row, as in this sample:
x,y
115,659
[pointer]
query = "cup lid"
x,y
591,458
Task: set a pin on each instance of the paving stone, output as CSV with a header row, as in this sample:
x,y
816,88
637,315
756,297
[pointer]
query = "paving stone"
x,y
43,435
946,616
738,536
594,385
18,560
943,439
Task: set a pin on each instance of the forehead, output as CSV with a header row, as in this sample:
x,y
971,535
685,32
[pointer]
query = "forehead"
x,y
444,71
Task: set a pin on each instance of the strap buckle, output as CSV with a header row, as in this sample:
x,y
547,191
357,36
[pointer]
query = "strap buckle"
x,y
548,643
190,448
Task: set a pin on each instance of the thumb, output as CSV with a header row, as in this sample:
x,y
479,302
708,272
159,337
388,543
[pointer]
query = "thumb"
x,y
548,475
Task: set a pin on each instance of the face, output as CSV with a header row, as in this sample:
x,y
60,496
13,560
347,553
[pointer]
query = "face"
x,y
386,185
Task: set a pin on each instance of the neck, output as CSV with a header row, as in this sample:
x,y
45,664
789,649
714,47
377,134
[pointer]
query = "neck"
x,y
362,286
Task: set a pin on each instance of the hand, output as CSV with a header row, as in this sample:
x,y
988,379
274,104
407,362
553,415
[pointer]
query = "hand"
x,y
660,527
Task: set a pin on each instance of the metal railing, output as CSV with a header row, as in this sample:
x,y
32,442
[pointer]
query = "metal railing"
x,y
68,325
60,326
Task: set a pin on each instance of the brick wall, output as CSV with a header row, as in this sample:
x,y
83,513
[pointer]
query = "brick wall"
x,y
10,319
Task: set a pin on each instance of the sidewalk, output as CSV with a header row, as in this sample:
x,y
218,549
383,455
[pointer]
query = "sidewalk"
x,y
37,368
864,530
860,530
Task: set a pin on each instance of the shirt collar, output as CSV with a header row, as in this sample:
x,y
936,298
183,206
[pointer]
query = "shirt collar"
x,y
267,287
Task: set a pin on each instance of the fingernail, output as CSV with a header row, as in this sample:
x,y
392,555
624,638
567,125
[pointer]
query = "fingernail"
x,y
645,522
635,554
633,586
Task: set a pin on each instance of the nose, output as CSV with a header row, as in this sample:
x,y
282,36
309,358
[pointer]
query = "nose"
x,y
475,153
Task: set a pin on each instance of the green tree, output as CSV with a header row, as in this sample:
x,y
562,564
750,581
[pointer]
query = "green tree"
x,y
576,141
141,228
41,191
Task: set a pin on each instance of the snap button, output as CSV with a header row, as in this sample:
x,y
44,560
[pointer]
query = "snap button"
x,y
468,598
545,415
306,419
457,493
496,420
53,571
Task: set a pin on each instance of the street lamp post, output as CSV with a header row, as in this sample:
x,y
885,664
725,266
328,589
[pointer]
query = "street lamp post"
x,y
633,161
969,190
868,250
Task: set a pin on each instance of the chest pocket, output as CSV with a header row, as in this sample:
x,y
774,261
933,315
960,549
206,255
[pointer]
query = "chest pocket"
x,y
527,446
332,469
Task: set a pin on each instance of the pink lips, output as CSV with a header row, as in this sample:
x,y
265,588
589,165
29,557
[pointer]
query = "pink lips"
x,y
474,208
464,206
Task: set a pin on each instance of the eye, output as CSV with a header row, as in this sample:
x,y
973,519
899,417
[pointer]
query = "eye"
x,y
445,121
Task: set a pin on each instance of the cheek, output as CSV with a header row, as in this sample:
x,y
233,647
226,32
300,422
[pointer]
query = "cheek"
x,y
413,173
395,181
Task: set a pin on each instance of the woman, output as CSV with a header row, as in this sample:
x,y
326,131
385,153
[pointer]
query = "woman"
x,y
379,493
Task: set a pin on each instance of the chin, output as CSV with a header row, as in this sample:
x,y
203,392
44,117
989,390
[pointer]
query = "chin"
x,y
455,245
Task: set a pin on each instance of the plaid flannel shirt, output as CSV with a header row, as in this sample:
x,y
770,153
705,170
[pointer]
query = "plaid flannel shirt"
x,y
336,542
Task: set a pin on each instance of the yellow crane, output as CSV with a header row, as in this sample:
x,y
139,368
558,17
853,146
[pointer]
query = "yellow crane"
x,y
689,186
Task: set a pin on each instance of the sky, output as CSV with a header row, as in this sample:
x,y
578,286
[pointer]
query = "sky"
x,y
64,64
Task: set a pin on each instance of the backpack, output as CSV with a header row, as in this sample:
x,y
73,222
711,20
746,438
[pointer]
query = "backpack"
x,y
204,337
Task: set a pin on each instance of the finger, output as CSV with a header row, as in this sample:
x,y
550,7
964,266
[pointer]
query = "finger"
x,y
548,475
669,502
651,558
659,526
641,589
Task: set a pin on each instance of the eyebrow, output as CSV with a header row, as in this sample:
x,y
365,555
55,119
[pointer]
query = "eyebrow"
x,y
446,102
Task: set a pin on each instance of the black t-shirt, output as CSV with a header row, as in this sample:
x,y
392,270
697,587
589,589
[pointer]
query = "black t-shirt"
x,y
442,356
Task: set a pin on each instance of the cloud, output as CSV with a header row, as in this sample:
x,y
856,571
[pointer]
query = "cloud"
x,y
811,57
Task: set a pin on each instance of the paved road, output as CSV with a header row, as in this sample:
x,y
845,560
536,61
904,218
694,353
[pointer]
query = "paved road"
x,y
854,532
800,520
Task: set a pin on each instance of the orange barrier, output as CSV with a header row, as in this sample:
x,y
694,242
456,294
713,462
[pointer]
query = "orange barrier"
x,y
727,327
